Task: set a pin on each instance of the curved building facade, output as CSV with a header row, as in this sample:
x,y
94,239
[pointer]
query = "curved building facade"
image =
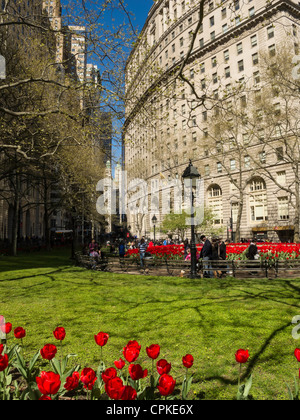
x,y
189,89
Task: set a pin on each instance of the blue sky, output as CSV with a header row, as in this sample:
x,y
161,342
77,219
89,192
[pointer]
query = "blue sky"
x,y
140,9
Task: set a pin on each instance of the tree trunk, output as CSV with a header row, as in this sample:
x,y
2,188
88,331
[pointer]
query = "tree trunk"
x,y
16,215
239,220
47,232
15,227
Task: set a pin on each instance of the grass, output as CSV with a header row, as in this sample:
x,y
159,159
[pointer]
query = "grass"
x,y
210,319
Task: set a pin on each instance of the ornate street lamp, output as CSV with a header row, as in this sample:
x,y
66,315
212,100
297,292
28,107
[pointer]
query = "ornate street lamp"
x,y
154,220
192,175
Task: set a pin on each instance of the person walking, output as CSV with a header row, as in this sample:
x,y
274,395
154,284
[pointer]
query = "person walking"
x,y
206,254
253,255
142,248
122,249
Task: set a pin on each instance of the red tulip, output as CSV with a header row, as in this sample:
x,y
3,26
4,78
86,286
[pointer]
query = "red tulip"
x,y
166,385
88,378
45,398
3,362
115,388
129,394
59,333
132,351
108,374
48,352
48,383
297,354
188,361
136,372
6,327
163,367
153,351
72,382
19,333
242,356
101,339
1,348
119,364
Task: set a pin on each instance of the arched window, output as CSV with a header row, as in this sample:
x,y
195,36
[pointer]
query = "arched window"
x,y
258,200
215,202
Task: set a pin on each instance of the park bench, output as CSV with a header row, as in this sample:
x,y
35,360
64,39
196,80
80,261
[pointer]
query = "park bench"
x,y
249,268
287,268
91,263
181,268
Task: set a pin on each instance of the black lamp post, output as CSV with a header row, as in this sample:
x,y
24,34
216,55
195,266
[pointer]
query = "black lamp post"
x,y
154,220
192,175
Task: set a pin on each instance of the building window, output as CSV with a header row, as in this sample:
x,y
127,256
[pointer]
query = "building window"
x,y
283,208
247,162
241,65
281,177
215,202
239,48
262,157
256,77
270,32
253,40
258,200
225,28
232,165
279,154
227,72
272,50
219,167
251,12
255,59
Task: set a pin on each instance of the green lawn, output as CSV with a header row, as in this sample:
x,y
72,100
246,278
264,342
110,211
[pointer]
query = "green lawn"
x,y
209,318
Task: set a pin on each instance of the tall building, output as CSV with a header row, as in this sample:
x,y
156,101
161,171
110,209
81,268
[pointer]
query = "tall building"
x,y
53,10
177,77
76,52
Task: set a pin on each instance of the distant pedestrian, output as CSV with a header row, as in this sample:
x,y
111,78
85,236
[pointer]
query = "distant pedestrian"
x,y
122,249
142,248
206,255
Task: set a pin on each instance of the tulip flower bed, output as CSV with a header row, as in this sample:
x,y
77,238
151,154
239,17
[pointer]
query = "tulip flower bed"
x,y
269,251
126,380
209,320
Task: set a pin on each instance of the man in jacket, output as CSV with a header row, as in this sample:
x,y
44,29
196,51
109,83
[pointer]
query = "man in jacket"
x,y
206,254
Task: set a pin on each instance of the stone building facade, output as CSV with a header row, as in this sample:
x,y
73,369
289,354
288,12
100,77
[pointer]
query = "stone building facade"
x,y
178,79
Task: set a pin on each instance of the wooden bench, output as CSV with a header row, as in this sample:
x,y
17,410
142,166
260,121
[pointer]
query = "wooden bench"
x,y
287,268
181,268
249,268
91,263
